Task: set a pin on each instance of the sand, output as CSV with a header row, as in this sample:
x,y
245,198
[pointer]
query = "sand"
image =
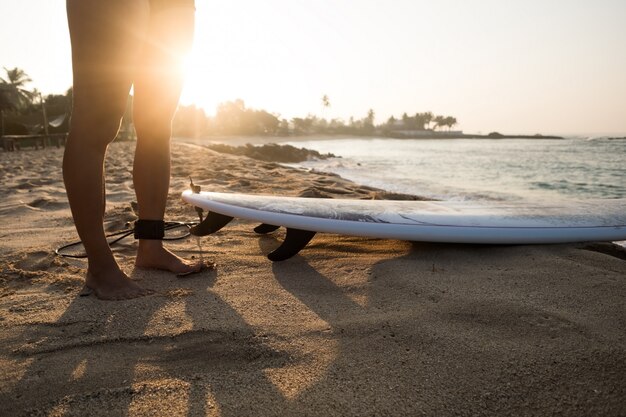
x,y
349,327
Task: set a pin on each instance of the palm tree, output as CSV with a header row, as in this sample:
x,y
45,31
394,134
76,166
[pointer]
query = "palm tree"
x,y
406,121
420,121
5,97
428,118
5,104
325,101
13,92
13,95
325,105
368,121
439,121
450,121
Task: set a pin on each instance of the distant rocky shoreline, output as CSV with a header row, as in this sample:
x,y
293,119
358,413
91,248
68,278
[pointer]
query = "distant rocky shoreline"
x,y
492,135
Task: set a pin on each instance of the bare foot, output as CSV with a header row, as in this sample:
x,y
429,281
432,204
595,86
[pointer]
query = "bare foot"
x,y
114,284
152,254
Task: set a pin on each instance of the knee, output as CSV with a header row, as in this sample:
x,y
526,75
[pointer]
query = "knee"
x,y
153,128
153,111
97,128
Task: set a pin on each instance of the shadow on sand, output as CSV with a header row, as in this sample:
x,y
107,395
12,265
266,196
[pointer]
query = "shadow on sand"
x,y
419,332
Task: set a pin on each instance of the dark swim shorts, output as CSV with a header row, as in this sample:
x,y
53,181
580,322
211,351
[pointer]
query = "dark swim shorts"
x,y
165,4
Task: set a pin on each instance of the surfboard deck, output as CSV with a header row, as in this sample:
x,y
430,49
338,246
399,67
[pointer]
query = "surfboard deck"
x,y
428,221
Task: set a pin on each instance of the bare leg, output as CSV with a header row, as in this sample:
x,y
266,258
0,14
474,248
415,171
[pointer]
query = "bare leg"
x,y
157,90
106,37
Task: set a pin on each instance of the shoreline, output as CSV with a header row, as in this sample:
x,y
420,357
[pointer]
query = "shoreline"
x,y
240,140
350,327
566,170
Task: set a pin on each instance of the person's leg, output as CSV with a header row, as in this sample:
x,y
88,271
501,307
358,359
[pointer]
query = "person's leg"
x,y
157,89
106,37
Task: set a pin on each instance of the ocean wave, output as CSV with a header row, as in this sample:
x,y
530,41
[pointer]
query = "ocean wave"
x,y
475,169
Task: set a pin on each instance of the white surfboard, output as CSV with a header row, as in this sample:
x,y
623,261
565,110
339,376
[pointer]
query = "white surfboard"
x,y
428,221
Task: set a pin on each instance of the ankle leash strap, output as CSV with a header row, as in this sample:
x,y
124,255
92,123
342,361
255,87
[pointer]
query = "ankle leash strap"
x,y
149,229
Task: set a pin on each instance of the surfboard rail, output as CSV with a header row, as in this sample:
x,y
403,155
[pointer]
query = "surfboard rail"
x,y
446,222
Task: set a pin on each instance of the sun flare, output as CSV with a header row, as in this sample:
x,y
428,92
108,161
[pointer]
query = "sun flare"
x,y
199,87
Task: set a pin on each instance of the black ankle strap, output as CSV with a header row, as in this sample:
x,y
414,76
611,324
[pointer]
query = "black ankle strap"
x,y
150,229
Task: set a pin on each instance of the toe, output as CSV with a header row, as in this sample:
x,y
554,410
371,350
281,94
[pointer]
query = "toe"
x,y
195,268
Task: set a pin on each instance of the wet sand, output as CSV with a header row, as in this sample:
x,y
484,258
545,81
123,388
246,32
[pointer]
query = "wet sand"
x,y
349,327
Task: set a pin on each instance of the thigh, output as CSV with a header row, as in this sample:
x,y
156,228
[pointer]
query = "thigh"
x,y
158,83
107,38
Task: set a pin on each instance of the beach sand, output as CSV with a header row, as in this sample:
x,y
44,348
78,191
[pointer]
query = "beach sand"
x,y
349,327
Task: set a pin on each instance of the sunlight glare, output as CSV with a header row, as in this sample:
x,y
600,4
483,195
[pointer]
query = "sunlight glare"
x,y
198,88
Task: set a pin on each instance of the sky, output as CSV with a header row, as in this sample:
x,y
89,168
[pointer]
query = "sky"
x,y
512,66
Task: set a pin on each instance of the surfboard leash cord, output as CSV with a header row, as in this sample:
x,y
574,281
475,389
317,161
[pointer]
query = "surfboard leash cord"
x,y
122,234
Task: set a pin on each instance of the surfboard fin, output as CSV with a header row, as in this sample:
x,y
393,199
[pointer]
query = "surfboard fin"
x,y
264,228
211,224
295,241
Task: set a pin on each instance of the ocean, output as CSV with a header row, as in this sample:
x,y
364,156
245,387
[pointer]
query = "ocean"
x,y
480,169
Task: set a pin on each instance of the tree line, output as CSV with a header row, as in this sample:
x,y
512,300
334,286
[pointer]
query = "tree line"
x,y
234,118
21,107
424,121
